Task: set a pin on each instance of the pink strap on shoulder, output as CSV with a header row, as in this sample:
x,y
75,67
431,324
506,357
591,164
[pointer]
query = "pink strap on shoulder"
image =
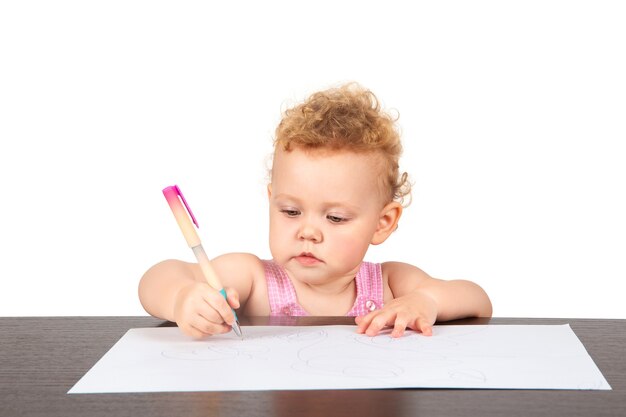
x,y
369,284
282,296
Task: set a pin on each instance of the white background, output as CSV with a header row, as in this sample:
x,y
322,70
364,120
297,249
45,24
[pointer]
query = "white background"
x,y
512,113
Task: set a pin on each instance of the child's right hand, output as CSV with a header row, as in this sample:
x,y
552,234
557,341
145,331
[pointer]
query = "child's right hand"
x,y
201,311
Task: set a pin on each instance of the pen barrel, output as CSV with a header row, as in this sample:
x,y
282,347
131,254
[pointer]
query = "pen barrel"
x,y
206,267
182,218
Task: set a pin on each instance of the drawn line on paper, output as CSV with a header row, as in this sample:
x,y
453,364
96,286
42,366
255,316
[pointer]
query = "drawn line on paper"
x,y
314,359
215,352
320,356
251,348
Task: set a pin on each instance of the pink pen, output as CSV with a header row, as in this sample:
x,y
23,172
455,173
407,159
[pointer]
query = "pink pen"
x,y
172,194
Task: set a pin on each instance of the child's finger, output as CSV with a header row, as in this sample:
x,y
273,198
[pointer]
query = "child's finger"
x,y
220,305
399,325
232,296
207,327
364,321
192,331
189,330
199,328
378,322
208,312
424,326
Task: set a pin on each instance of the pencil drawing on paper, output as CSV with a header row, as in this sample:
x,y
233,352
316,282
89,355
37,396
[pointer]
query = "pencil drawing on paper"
x,y
356,356
211,352
335,357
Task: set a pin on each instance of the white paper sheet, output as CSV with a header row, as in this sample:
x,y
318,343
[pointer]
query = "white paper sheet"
x,y
335,357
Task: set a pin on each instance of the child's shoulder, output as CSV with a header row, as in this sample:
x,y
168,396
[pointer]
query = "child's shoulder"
x,y
246,273
395,270
399,278
238,261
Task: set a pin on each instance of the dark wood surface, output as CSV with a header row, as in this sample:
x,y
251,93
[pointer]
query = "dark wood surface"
x,y
41,358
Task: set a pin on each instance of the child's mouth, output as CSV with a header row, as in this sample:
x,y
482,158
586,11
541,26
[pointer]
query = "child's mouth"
x,y
307,259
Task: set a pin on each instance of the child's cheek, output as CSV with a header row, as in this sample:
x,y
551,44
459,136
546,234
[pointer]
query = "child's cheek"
x,y
350,250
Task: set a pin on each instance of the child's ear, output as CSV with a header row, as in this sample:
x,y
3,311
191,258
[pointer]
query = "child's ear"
x,y
387,222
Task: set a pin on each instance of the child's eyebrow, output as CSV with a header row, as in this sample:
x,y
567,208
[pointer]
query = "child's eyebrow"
x,y
326,204
283,196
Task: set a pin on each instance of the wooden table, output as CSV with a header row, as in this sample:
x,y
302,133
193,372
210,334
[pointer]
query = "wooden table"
x,y
41,358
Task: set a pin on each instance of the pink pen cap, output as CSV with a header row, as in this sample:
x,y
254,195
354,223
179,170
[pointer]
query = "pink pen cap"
x,y
173,195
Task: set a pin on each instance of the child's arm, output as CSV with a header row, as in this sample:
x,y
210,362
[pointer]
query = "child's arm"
x,y
177,291
419,300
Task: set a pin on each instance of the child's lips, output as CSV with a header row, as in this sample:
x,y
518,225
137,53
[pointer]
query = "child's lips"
x,y
307,259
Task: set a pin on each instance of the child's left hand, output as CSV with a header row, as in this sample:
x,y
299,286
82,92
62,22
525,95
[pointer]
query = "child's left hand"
x,y
415,310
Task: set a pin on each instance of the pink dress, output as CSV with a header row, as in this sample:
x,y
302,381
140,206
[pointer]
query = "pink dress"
x,y
283,300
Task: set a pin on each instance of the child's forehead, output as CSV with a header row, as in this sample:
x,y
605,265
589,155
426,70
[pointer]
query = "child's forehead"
x,y
331,174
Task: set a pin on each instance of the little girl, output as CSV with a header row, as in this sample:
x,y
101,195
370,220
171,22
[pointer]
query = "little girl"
x,y
335,189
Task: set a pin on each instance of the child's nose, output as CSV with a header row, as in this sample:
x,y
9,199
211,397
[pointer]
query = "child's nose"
x,y
308,231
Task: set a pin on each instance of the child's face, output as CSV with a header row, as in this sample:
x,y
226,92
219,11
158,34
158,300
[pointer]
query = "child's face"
x,y
324,212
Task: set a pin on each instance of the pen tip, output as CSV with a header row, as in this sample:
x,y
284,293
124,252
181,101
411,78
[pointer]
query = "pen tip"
x,y
237,329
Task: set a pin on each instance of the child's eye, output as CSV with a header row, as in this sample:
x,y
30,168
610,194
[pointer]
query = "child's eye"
x,y
335,219
290,212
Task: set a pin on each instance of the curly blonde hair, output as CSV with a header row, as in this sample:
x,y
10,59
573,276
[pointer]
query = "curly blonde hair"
x,y
347,118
